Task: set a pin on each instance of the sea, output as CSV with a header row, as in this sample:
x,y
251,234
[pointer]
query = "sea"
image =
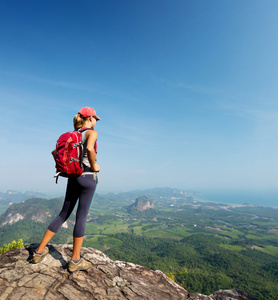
x,y
241,197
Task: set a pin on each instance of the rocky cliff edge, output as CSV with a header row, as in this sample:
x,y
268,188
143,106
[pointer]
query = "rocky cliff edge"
x,y
107,279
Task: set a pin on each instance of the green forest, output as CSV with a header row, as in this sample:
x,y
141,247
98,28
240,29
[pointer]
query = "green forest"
x,y
199,263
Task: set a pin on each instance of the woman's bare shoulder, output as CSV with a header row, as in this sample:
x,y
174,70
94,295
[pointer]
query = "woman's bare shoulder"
x,y
91,133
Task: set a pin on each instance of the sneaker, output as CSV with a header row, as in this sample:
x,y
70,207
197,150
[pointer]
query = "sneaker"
x,y
38,257
82,265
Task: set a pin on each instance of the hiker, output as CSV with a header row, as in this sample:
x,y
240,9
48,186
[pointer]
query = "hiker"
x,y
81,187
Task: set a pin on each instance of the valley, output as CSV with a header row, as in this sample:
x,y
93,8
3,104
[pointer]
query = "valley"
x,y
204,246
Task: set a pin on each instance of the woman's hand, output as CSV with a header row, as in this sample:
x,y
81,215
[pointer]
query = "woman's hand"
x,y
54,154
96,168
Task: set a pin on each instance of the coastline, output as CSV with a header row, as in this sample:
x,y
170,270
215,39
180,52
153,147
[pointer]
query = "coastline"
x,y
241,199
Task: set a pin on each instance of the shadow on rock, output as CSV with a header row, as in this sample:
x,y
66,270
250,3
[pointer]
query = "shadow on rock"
x,y
52,251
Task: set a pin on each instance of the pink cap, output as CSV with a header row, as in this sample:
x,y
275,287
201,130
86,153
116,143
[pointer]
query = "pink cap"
x,y
88,112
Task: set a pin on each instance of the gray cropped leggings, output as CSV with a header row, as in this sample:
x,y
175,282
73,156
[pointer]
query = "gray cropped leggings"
x,y
82,188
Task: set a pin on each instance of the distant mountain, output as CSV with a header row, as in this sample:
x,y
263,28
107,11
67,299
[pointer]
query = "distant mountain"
x,y
12,196
36,209
155,194
28,220
141,204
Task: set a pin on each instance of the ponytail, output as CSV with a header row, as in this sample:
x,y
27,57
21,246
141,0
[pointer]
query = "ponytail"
x,y
79,121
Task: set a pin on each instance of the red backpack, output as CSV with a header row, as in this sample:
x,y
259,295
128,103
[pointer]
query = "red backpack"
x,y
69,156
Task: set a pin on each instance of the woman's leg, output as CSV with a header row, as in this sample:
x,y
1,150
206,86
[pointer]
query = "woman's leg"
x,y
72,194
46,238
88,186
77,244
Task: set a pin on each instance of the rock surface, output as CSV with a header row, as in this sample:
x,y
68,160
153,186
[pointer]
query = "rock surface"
x,y
106,279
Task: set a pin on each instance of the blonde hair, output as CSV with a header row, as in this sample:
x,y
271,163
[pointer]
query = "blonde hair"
x,y
79,121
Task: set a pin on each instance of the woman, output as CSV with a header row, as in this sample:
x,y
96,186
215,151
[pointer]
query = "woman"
x,y
82,188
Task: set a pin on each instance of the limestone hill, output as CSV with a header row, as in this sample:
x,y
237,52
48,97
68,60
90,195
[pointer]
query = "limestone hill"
x,y
107,279
141,204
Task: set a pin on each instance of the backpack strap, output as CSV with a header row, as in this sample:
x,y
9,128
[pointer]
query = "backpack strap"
x,y
83,130
83,142
57,176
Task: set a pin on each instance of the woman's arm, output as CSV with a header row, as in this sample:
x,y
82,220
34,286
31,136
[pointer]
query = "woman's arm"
x,y
91,139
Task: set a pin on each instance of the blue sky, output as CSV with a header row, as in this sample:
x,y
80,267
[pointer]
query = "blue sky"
x,y
187,91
